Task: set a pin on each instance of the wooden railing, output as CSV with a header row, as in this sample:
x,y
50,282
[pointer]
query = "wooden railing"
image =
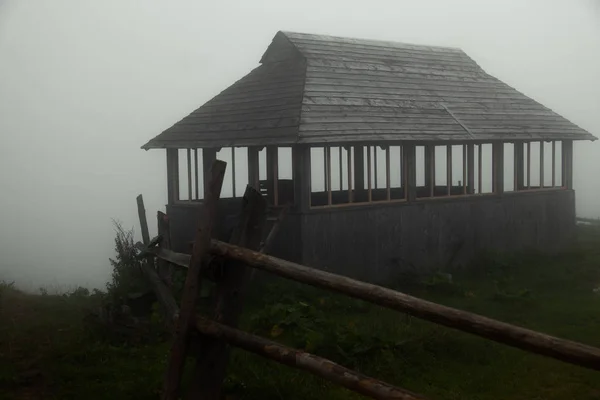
x,y
231,273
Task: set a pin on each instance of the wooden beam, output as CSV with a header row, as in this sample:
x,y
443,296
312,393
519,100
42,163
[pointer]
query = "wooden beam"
x,y
369,183
528,165
553,163
375,166
253,168
164,269
430,169
388,185
519,166
410,166
275,177
359,169
567,156
325,170
471,168
541,163
327,150
535,342
209,156
464,168
163,294
479,168
301,164
211,364
233,171
349,167
172,175
449,169
298,359
340,168
196,176
189,173
498,164
201,248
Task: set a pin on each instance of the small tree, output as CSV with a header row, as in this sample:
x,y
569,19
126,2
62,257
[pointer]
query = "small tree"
x,y
127,275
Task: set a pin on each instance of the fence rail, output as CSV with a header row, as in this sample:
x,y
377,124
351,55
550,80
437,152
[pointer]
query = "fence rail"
x,y
243,251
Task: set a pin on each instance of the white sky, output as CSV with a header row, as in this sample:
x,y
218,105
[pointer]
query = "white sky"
x,y
84,84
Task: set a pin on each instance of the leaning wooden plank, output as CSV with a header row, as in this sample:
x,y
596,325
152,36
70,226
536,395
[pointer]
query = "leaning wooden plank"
x,y
165,270
535,342
318,366
211,365
163,294
192,282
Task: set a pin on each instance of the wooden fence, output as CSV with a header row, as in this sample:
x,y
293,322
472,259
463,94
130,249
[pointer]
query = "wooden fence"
x,y
207,339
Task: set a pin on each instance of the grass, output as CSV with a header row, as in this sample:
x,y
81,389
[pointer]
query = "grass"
x,y
47,351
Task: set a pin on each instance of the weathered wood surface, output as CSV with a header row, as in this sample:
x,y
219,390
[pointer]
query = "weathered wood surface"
x,y
163,294
501,332
211,365
318,366
192,282
165,270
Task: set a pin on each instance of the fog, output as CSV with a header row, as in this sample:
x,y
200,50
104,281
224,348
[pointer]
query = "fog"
x,y
84,84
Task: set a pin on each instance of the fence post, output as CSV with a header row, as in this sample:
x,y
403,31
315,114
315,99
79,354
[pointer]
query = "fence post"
x,y
202,240
212,360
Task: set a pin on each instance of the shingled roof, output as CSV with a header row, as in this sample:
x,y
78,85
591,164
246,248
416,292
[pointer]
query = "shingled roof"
x,y
323,89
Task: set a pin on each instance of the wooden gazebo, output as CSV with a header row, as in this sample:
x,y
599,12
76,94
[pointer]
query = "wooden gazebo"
x,y
391,156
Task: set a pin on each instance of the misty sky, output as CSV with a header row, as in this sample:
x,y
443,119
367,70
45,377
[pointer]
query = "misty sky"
x,y
84,84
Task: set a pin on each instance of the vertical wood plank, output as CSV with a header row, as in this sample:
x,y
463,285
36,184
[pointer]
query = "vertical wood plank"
x,y
301,166
387,173
211,366
375,166
464,168
359,168
233,171
498,151
172,175
328,173
449,169
196,176
410,164
369,194
165,269
349,167
201,247
189,173
325,169
541,164
275,177
209,156
143,220
471,168
567,152
519,166
553,163
479,167
253,168
340,162
429,169
528,165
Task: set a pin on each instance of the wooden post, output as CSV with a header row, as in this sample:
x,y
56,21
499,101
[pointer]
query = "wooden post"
x,y
233,191
272,161
208,158
464,168
528,144
163,294
553,163
498,167
340,168
196,177
449,169
211,365
359,169
388,185
519,166
172,175
253,168
410,166
208,216
302,176
479,167
567,163
328,173
369,183
165,269
375,167
189,173
430,169
471,168
349,162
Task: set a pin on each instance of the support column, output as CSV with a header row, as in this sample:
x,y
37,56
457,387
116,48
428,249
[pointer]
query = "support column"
x,y
567,164
430,169
359,174
253,168
301,175
519,166
208,158
272,161
410,165
498,167
172,176
471,168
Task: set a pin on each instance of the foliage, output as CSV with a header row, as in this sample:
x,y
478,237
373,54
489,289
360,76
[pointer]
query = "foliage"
x,y
126,275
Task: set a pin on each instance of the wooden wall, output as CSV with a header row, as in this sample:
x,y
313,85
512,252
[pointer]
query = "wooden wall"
x,y
375,243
